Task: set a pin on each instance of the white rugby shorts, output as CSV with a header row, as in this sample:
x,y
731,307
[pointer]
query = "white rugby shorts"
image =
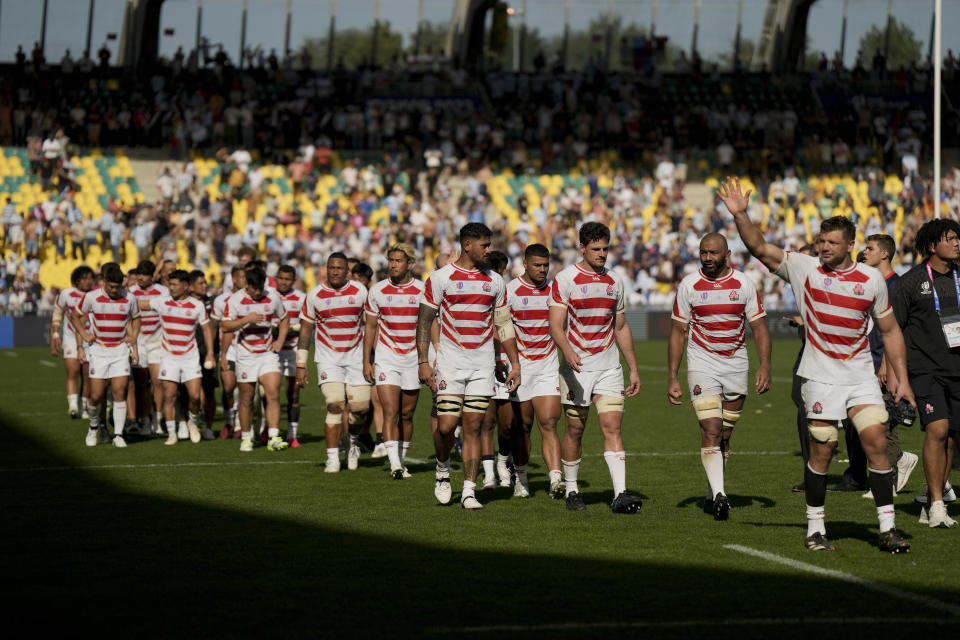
x,y
823,401
180,368
546,383
109,363
407,378
729,385
347,374
578,388
69,345
465,382
251,366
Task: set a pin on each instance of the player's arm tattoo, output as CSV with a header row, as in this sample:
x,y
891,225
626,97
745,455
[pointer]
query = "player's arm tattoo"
x,y
306,329
425,319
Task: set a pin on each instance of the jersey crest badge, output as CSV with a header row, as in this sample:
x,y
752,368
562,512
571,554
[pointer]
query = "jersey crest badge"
x,y
927,408
163,372
486,286
382,376
352,300
609,289
442,386
858,289
817,408
412,299
244,375
323,375
734,296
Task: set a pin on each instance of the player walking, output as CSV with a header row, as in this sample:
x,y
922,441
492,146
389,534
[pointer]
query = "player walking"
x,y
250,315
114,325
293,303
539,393
228,351
713,307
335,308
391,325
69,343
180,314
836,297
588,324
470,301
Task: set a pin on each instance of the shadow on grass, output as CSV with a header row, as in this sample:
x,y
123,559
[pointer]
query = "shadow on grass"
x,y
89,556
735,501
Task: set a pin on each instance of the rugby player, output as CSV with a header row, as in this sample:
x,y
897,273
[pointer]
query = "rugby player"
x,y
837,297
228,352
114,326
250,315
500,414
588,324
470,301
208,381
391,326
180,315
293,302
712,307
539,394
82,280
335,308
146,373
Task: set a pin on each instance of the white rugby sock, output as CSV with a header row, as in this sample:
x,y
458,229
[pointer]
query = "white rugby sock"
x,y
292,430
193,417
712,461
353,440
171,427
393,453
570,470
502,459
617,463
94,421
885,515
469,489
333,453
403,451
273,432
815,521
72,401
443,466
119,417
488,469
247,435
521,473
555,475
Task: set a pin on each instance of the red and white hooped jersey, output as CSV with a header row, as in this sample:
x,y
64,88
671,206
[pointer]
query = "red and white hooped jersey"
x,y
293,303
179,320
717,313
219,311
255,338
836,307
530,311
109,317
593,301
465,300
395,307
67,301
337,315
149,320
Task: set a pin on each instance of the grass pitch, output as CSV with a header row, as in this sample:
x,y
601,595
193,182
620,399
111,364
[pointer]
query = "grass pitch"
x,y
201,540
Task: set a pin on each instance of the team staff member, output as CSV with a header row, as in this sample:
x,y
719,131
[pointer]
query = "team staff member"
x,y
927,305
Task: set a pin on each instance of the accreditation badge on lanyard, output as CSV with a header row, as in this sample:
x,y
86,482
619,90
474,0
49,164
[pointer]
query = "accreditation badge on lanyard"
x,y
950,323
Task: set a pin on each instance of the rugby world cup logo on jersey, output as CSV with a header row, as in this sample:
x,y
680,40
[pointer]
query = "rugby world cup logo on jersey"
x,y
525,301
704,296
583,289
459,285
389,298
827,282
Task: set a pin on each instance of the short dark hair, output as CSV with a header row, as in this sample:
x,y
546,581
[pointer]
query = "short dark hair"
x,y
536,251
80,273
112,273
246,251
256,277
885,243
237,268
197,274
255,264
592,232
146,268
337,255
932,232
362,270
842,224
498,260
474,231
181,275
286,268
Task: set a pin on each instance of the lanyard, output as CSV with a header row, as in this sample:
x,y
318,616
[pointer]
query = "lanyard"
x,y
956,284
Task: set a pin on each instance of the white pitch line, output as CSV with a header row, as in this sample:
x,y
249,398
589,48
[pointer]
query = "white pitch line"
x,y
10,354
683,624
46,363
848,577
416,461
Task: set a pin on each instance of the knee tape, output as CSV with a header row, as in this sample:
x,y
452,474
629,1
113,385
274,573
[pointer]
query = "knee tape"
x,y
869,417
824,434
449,406
577,413
708,407
475,404
609,403
359,397
333,392
730,418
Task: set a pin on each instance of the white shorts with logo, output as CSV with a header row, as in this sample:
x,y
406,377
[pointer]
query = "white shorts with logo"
x,y
351,375
180,368
288,363
463,382
536,385
578,388
729,385
407,378
823,401
143,352
108,363
250,366
69,345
